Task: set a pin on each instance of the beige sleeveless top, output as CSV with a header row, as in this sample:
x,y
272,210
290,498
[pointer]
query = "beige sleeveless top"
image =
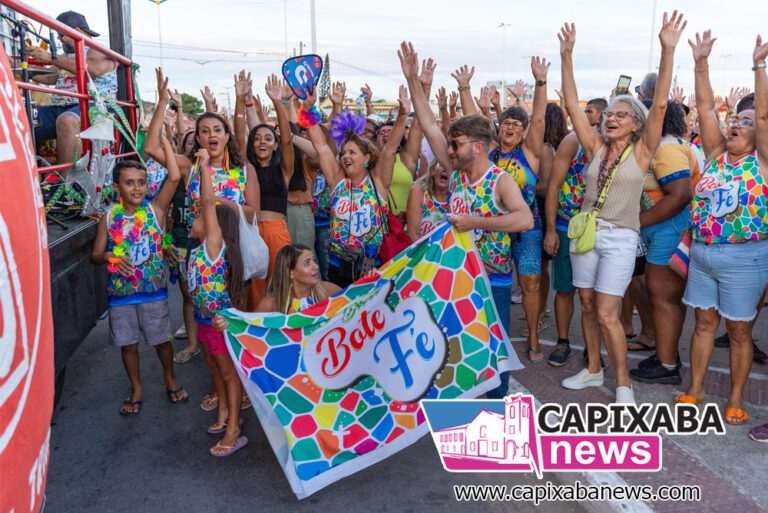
x,y
622,203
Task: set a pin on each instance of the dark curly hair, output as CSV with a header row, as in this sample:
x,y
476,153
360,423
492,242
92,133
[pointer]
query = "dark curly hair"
x,y
555,127
674,120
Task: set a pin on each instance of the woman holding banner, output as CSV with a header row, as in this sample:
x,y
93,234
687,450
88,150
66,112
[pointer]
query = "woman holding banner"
x,y
359,182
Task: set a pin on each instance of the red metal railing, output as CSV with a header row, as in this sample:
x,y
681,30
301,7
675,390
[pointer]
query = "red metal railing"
x,y
81,41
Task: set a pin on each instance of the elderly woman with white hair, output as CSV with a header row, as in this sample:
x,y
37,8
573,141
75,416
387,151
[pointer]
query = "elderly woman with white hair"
x,y
620,155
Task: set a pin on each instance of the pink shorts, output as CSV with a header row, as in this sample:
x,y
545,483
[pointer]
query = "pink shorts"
x,y
211,338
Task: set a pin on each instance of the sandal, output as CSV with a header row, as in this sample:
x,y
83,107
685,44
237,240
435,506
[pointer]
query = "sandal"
x,y
219,427
246,402
535,356
737,416
541,327
184,356
220,450
177,396
686,399
134,405
209,402
642,346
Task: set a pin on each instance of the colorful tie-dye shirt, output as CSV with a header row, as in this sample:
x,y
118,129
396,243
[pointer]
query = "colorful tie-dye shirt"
x,y
156,174
674,160
433,213
729,205
358,218
321,202
478,199
228,185
148,281
515,163
572,192
207,281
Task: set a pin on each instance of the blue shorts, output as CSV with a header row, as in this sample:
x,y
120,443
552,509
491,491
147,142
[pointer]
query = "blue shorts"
x,y
662,238
526,250
562,275
46,119
728,277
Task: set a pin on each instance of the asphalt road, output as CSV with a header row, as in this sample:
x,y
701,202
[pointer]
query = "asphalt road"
x,y
158,461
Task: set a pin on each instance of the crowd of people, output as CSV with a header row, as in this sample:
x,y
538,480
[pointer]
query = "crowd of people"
x,y
643,201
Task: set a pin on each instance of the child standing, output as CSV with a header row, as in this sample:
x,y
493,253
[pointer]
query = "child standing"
x,y
130,239
215,279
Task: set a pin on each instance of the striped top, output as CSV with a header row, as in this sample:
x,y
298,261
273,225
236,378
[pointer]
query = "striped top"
x,y
622,203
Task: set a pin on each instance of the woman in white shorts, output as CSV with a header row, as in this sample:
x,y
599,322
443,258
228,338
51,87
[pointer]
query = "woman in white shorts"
x,y
628,138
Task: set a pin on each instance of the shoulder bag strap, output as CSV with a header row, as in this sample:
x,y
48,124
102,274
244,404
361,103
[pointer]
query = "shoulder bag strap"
x,y
604,192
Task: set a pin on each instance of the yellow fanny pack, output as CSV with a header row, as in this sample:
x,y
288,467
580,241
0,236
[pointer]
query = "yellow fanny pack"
x,y
582,229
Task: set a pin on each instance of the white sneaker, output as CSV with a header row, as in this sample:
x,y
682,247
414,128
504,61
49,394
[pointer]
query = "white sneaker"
x,y
583,380
181,332
624,395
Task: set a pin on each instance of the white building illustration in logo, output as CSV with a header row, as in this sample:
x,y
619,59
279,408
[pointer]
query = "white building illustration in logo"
x,y
491,436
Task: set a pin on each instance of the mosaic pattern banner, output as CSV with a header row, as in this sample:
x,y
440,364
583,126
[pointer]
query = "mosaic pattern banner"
x,y
337,386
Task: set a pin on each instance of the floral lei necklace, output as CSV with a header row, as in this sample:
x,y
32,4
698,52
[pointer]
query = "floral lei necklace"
x,y
124,243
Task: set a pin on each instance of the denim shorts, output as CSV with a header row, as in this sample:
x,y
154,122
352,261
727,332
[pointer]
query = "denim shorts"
x,y
728,277
662,238
526,250
47,116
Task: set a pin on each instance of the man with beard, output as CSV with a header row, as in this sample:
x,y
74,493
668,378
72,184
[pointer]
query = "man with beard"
x,y
61,120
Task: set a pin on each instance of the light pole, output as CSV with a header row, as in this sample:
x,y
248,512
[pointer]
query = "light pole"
x,y
653,30
503,26
314,30
159,29
202,68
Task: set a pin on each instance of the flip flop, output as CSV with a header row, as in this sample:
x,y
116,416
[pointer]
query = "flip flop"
x,y
246,402
209,402
135,405
643,346
535,356
228,449
177,396
220,427
737,416
186,355
686,399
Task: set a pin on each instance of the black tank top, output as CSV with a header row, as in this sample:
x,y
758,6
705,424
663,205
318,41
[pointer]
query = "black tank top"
x,y
274,193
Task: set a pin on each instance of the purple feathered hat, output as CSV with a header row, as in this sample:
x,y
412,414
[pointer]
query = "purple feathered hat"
x,y
345,124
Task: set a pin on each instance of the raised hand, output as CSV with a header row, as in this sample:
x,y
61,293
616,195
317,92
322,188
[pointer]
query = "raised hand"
x,y
484,101
162,84
427,72
518,89
567,38
539,68
692,101
671,29
495,96
703,45
243,84
273,88
286,93
338,93
678,95
404,102
463,75
734,96
760,52
176,97
309,101
442,99
454,99
208,95
366,90
409,60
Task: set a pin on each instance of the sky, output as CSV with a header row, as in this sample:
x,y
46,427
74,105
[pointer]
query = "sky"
x,y
362,38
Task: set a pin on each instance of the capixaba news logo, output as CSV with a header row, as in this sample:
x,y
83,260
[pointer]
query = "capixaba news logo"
x,y
509,435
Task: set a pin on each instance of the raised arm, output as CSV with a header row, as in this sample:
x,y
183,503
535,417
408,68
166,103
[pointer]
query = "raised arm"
x,y
274,91
761,101
152,144
463,75
410,154
712,138
484,101
368,93
208,99
180,125
588,138
338,93
442,105
669,36
385,166
329,166
518,92
164,197
413,211
243,85
534,140
409,61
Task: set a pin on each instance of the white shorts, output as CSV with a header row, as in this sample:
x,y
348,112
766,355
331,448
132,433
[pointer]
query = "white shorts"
x,y
609,266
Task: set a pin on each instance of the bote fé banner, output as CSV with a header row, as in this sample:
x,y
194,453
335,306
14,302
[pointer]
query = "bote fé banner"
x,y
337,386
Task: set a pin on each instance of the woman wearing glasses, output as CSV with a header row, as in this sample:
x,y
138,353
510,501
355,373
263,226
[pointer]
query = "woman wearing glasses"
x,y
521,140
728,268
620,155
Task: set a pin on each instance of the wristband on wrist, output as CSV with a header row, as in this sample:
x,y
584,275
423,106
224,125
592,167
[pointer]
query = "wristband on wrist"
x,y
286,102
309,117
758,66
249,104
463,88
